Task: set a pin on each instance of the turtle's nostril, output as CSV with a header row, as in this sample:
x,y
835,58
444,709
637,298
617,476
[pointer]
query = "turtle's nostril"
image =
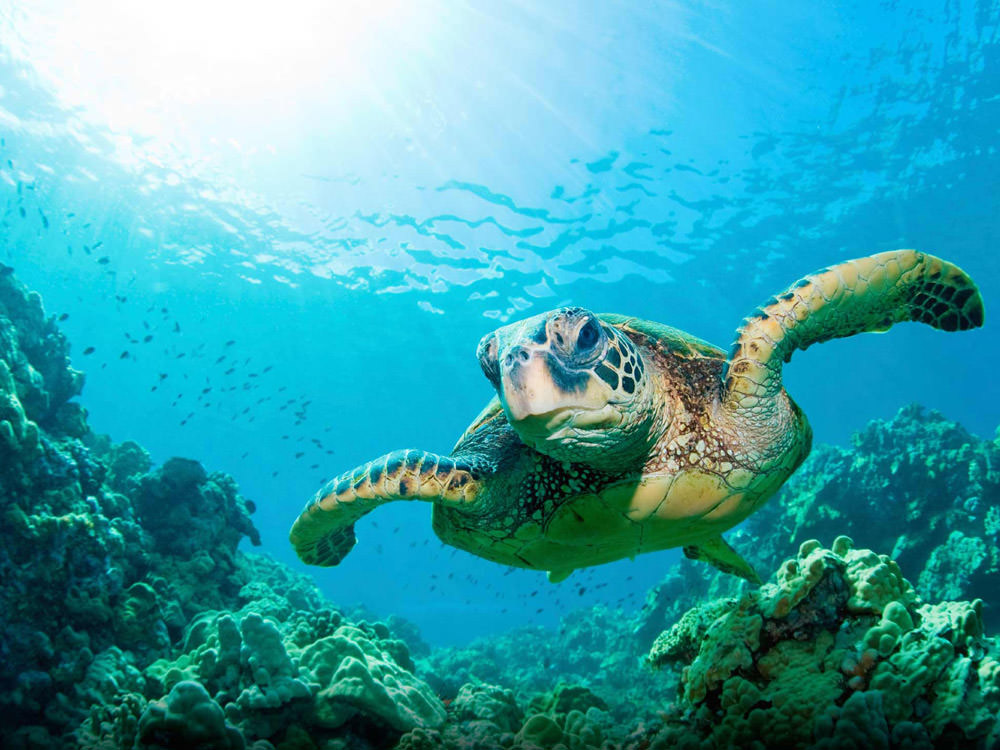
x,y
517,353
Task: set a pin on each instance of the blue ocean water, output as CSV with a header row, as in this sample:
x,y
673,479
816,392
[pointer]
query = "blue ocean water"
x,y
283,232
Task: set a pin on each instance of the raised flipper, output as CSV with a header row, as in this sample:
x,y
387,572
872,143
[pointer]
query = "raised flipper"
x,y
716,551
867,294
324,532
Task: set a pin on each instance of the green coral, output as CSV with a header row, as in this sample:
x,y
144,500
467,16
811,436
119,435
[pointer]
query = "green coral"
x,y
840,652
187,717
355,676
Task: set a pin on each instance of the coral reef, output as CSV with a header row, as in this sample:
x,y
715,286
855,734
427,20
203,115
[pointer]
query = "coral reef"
x,y
918,486
97,581
594,649
839,653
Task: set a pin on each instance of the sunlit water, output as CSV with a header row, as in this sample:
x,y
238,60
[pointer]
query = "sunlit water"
x,y
284,229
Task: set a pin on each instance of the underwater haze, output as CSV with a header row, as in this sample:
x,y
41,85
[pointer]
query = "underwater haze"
x,y
273,235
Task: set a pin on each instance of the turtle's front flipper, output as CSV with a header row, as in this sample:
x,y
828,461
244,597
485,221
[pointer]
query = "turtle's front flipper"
x,y
324,533
867,294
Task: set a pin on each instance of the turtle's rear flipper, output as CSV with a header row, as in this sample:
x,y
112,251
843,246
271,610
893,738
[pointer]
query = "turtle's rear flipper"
x,y
323,533
717,552
867,294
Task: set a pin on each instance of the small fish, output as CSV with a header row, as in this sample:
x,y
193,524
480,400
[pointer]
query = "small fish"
x,y
177,327
124,355
63,317
88,350
104,260
147,338
230,342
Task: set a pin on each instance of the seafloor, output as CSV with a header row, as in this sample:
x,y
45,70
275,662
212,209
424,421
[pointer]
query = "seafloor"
x,y
129,618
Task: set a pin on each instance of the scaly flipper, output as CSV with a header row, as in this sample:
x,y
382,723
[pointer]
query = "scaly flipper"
x,y
717,552
324,533
867,294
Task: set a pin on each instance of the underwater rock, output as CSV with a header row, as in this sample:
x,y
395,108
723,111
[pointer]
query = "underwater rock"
x,y
139,623
487,717
127,462
36,354
187,717
487,703
316,672
840,652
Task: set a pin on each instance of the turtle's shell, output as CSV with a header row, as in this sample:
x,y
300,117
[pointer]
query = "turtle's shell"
x,y
700,478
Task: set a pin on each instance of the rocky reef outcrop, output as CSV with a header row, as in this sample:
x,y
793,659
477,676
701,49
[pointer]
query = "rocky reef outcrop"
x,y
841,652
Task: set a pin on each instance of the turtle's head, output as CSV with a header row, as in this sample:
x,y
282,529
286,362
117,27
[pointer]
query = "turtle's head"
x,y
573,387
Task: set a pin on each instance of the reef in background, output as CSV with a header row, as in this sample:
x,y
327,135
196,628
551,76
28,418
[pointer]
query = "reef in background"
x,y
129,618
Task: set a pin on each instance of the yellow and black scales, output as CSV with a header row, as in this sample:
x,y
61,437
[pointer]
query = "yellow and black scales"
x,y
648,438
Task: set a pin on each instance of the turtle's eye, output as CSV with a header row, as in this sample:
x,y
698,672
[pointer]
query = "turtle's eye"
x,y
588,336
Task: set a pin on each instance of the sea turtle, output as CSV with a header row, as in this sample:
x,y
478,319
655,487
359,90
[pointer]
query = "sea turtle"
x,y
611,436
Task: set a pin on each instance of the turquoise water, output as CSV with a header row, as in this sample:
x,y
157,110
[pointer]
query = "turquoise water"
x,y
314,219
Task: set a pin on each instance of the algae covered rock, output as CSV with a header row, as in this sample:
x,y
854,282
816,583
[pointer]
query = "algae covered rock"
x,y
840,652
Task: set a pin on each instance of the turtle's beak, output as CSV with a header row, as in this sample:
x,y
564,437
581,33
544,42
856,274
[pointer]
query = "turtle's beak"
x,y
539,393
527,387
